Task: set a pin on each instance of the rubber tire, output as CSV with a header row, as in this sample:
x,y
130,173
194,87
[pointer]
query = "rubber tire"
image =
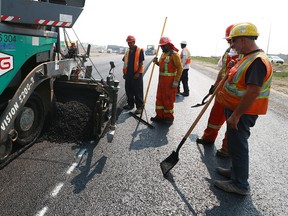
x,y
27,137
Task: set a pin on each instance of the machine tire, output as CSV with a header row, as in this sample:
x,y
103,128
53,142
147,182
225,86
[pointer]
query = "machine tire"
x,y
30,121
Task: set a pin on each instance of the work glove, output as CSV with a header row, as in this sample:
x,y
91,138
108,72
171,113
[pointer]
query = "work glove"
x,y
136,75
175,84
155,60
211,90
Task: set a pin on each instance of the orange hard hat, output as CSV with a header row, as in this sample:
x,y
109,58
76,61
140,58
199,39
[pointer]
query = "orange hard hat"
x,y
130,38
228,30
164,41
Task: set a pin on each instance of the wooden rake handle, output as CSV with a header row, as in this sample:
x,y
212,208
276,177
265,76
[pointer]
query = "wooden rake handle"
x,y
148,87
202,112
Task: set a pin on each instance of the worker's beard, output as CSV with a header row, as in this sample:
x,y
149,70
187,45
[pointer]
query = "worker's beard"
x,y
164,49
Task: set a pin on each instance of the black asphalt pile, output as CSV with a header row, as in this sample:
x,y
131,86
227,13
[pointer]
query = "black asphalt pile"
x,y
72,122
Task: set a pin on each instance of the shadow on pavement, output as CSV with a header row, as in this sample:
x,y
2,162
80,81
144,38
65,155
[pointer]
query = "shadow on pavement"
x,y
169,177
149,138
87,167
230,204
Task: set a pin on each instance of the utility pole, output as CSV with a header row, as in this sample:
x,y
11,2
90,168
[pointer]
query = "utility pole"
x,y
269,37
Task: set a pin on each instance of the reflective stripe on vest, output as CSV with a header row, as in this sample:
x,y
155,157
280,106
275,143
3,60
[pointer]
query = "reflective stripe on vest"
x,y
136,61
166,68
238,92
235,86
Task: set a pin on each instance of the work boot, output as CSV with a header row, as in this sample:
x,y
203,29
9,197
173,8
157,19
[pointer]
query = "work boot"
x,y
156,119
230,187
224,172
204,142
138,111
185,94
128,107
168,121
222,153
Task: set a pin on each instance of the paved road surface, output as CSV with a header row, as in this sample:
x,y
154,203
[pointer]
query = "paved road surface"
x,y
124,177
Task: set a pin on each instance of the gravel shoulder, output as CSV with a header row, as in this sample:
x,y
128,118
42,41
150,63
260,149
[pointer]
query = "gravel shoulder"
x,y
279,84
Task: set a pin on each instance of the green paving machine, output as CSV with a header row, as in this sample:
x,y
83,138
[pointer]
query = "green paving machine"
x,y
34,74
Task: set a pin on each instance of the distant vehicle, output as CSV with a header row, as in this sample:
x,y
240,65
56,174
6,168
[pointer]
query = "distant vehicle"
x,y
150,50
276,59
122,50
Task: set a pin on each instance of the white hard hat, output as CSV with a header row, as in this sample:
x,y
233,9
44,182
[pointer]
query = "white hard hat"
x,y
184,42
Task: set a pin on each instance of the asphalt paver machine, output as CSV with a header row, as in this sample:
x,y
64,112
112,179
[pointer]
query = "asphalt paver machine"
x,y
34,74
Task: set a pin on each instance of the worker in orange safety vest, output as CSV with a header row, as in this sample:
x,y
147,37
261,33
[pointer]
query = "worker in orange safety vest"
x,y
217,117
186,61
170,71
245,96
133,74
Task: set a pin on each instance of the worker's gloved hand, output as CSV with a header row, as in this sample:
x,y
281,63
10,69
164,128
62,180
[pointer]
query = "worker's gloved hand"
x,y
124,76
211,90
136,75
155,60
175,84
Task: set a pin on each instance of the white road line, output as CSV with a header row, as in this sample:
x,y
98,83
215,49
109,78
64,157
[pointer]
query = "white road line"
x,y
71,168
42,212
57,189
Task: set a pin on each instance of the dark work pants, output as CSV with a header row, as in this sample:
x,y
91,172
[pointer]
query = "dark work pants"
x,y
238,148
134,90
184,80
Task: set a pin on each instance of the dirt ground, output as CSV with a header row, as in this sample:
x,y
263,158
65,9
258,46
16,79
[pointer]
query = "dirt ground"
x,y
278,83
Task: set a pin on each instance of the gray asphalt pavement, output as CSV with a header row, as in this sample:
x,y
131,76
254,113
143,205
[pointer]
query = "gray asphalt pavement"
x,y
124,177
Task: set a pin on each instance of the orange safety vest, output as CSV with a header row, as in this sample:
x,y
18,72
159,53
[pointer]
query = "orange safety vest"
x,y
235,86
136,61
188,61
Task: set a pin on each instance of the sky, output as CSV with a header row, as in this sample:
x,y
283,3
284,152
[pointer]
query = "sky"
x,y
201,23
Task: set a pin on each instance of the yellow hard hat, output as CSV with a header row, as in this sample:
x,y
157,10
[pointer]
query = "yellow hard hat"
x,y
243,30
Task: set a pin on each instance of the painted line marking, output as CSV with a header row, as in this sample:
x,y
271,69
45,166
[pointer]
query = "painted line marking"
x,y
42,212
71,168
57,189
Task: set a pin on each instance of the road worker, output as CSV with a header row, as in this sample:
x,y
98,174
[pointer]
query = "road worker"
x,y
244,96
217,116
186,61
72,51
170,71
133,75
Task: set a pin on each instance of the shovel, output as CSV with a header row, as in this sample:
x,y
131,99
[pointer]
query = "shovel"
x,y
173,159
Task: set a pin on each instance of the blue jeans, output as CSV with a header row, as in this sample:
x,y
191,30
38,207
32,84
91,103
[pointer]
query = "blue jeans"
x,y
238,148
